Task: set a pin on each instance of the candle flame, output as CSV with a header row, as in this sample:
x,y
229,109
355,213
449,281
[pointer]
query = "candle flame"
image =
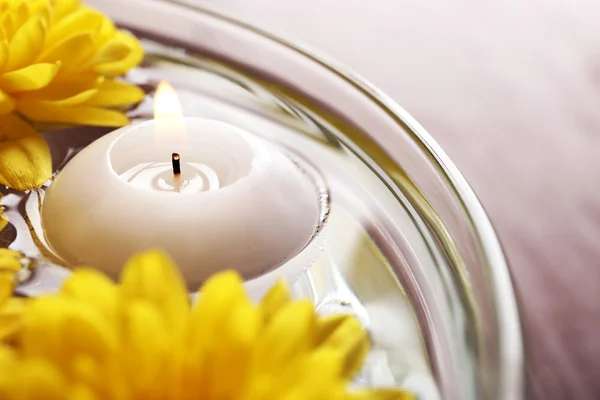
x,y
166,102
166,105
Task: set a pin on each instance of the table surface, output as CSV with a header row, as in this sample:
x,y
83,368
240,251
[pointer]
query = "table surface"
x,y
511,90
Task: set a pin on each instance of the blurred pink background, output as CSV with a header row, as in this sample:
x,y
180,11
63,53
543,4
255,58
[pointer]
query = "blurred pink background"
x,y
511,90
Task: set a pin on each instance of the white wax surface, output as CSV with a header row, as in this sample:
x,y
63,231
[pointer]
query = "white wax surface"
x,y
240,203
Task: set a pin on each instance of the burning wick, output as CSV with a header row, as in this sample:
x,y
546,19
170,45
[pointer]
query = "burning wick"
x,y
176,164
176,171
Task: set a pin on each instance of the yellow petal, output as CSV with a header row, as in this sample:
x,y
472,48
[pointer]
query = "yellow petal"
x,y
84,20
113,61
8,362
63,89
44,12
37,379
310,375
7,26
220,292
78,98
152,276
3,54
218,295
114,50
11,314
41,111
147,354
37,6
288,336
318,377
92,375
71,50
32,77
381,394
8,358
58,329
3,218
7,104
7,285
81,392
277,297
105,33
64,7
93,288
26,44
25,161
10,260
347,335
41,9
230,354
210,331
112,93
20,14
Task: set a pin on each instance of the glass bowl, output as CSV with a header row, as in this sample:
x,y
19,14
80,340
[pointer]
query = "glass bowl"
x,y
408,249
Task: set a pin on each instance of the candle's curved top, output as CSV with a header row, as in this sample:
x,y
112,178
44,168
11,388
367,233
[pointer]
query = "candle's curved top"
x,y
231,153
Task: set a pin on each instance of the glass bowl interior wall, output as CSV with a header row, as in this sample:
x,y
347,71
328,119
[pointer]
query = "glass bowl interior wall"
x,y
409,249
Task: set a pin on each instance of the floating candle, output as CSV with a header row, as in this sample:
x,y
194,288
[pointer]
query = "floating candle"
x,y
227,199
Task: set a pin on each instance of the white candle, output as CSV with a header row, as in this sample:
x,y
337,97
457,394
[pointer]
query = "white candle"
x,y
239,202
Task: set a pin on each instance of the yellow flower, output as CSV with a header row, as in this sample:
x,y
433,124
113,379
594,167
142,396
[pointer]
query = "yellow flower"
x,y
58,60
59,63
142,340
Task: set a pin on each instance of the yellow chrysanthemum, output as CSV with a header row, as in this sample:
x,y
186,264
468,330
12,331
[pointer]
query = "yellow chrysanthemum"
x,y
141,340
59,61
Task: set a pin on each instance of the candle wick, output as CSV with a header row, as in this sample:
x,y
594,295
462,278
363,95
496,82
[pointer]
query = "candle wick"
x,y
176,164
175,159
